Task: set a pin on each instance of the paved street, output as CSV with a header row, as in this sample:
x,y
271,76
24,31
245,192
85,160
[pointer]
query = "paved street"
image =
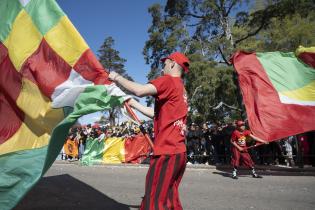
x,y
69,186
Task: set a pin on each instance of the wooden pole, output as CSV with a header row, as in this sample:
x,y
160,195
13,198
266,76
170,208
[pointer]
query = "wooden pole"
x,y
131,112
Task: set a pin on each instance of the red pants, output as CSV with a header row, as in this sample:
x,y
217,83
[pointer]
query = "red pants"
x,y
162,182
242,157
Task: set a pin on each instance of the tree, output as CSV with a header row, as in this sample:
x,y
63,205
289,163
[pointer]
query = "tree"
x,y
111,60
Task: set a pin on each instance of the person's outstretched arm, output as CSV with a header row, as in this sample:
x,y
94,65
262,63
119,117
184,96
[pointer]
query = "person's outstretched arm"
x,y
135,88
147,111
259,139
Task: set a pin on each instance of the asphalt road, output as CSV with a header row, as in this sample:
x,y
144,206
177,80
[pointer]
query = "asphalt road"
x,y
69,186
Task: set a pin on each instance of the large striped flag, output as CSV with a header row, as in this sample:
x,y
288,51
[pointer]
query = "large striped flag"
x,y
116,150
278,91
45,67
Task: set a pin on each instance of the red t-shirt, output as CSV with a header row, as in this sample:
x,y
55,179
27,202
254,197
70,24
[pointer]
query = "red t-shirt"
x,y
240,137
170,115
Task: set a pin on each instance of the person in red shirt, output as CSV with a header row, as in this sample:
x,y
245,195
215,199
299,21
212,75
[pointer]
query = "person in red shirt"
x,y
168,162
239,151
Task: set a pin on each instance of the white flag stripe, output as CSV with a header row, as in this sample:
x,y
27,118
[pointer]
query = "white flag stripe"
x,y
286,100
113,90
24,2
66,93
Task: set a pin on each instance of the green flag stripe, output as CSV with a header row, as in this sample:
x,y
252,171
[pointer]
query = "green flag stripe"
x,y
19,172
285,71
9,9
45,14
93,152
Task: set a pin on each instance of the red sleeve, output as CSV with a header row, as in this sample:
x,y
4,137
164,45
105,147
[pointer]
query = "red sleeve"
x,y
247,133
234,136
162,85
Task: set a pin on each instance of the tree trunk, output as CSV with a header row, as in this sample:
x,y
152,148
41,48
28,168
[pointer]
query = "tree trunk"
x,y
228,34
112,117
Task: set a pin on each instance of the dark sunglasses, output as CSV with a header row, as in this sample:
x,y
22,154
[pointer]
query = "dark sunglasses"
x,y
163,65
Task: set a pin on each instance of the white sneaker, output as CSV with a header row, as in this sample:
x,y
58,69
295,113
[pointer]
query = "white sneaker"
x,y
234,174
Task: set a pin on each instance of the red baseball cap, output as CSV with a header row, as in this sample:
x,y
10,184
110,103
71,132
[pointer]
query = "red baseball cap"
x,y
180,59
240,123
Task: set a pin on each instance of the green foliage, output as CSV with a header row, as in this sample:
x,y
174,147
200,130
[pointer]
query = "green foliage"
x,y
286,34
207,85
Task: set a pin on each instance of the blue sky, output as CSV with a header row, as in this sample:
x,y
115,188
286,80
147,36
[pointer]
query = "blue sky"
x,y
127,21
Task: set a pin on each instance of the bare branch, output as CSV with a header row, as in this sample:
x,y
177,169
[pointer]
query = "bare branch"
x,y
262,24
193,15
224,104
193,95
223,56
202,50
193,25
231,6
210,38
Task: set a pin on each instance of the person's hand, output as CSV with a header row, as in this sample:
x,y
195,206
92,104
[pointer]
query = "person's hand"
x,y
131,102
113,76
266,142
241,149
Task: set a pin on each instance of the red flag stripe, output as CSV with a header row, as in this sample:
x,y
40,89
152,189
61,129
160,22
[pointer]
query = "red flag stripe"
x,y
90,68
11,116
3,52
308,58
136,149
46,69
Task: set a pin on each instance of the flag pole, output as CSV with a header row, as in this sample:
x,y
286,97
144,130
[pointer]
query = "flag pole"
x,y
135,117
253,146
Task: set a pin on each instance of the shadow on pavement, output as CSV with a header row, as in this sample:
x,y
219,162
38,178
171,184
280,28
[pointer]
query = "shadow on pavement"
x,y
64,192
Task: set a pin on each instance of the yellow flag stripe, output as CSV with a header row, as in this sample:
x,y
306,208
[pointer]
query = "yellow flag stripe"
x,y
37,107
301,49
38,123
114,151
23,39
66,41
25,138
306,93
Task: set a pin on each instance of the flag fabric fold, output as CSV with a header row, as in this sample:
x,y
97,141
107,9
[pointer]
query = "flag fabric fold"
x,y
278,92
307,55
45,68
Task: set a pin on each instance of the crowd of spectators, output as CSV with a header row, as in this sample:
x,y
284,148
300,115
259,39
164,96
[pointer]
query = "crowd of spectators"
x,y
209,143
96,132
